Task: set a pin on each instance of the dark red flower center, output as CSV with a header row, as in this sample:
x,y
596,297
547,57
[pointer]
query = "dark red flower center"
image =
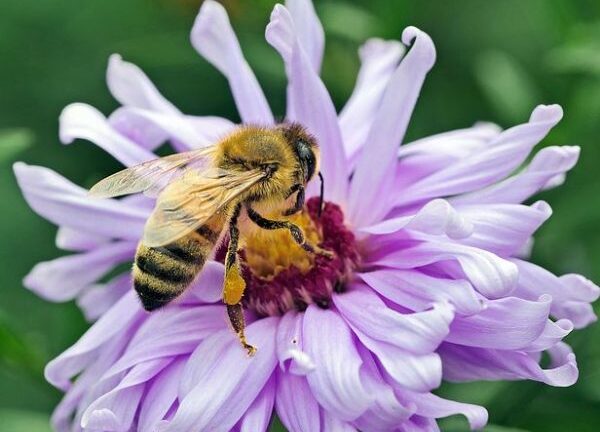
x,y
281,276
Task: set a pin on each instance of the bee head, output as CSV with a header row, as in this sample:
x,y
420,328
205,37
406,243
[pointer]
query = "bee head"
x,y
305,146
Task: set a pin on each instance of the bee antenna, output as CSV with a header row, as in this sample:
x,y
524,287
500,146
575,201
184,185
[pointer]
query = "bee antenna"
x,y
322,191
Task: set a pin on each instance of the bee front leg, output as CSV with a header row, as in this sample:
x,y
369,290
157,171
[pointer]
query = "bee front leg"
x,y
299,200
295,231
234,284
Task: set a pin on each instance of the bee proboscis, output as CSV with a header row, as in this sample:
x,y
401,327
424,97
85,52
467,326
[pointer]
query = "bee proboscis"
x,y
200,193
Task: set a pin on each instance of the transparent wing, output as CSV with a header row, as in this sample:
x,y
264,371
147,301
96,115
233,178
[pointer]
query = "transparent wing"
x,y
191,200
153,176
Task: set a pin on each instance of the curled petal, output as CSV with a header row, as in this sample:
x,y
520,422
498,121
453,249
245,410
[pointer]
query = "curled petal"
x,y
214,39
430,405
310,30
491,275
379,59
548,164
290,352
553,333
417,291
571,294
509,323
419,333
83,121
66,204
436,217
375,168
335,381
419,372
506,152
504,229
463,363
310,103
64,278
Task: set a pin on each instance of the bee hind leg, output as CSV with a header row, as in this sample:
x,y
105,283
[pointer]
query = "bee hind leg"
x,y
295,231
234,285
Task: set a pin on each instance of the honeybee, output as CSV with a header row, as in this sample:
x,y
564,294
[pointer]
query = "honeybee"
x,y
201,192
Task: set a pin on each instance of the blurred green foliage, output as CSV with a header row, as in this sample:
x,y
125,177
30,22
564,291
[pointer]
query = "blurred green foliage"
x,y
496,60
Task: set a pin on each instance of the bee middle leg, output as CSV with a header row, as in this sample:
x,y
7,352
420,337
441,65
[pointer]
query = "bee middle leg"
x,y
295,231
234,284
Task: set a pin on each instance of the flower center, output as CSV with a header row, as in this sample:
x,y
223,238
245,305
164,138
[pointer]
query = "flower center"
x,y
281,276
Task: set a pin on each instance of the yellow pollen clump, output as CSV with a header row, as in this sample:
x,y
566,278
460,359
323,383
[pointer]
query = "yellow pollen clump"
x,y
267,253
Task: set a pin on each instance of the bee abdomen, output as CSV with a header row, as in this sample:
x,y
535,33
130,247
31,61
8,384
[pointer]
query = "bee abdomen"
x,y
160,274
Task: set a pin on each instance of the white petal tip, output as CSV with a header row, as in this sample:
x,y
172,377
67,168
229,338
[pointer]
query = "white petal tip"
x,y
422,45
302,364
211,12
547,113
114,60
73,117
544,208
101,419
279,9
455,225
279,16
566,325
54,378
19,168
114,68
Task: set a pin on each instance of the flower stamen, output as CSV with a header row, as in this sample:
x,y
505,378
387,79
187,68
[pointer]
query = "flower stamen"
x,y
281,276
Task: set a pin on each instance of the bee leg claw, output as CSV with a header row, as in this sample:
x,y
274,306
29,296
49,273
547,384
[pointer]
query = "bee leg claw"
x,y
250,349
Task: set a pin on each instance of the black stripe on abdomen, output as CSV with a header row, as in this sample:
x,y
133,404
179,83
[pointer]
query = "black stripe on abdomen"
x,y
154,268
208,234
150,298
177,253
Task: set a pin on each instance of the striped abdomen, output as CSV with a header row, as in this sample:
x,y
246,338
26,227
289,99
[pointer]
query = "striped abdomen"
x,y
161,274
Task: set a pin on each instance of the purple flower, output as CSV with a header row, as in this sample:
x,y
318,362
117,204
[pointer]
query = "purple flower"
x,y
429,281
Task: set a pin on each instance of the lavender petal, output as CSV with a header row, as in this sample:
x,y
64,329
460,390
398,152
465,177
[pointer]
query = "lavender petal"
x,y
375,168
213,37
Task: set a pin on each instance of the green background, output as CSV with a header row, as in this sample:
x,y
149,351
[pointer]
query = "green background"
x,y
496,61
